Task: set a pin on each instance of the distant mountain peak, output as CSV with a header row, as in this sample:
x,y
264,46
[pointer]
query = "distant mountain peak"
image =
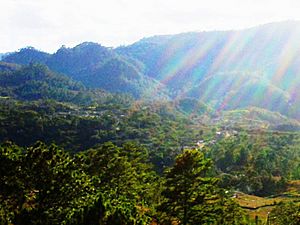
x,y
88,43
258,66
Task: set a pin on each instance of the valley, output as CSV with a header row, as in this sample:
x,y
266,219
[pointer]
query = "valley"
x,y
190,128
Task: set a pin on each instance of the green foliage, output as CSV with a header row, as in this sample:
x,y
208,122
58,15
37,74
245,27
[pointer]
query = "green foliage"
x,y
193,106
259,163
159,127
96,67
285,214
114,138
125,182
105,185
42,185
36,82
191,197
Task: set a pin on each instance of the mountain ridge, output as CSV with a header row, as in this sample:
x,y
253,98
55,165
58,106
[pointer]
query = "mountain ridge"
x,y
260,67
90,63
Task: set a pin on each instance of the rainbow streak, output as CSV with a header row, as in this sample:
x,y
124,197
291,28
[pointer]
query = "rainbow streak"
x,y
231,51
286,58
237,55
228,54
183,60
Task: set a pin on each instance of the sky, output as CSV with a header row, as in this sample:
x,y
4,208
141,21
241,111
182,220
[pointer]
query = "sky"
x,y
49,24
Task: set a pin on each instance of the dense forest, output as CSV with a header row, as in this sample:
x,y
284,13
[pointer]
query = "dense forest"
x,y
110,165
95,135
227,70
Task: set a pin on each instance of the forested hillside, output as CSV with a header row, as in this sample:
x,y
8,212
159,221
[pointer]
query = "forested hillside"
x,y
96,67
228,69
225,69
194,128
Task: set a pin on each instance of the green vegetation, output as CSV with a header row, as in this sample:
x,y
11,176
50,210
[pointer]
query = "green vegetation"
x,y
42,184
285,214
194,198
122,182
125,179
104,185
160,143
259,164
190,65
95,66
35,82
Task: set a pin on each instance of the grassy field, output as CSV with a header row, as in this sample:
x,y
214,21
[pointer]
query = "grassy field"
x,y
260,206
256,206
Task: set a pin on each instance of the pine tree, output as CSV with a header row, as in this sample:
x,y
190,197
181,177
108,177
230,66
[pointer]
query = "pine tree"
x,y
188,189
191,197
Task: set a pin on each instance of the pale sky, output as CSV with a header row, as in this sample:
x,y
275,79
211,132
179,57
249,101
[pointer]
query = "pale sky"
x,y
48,24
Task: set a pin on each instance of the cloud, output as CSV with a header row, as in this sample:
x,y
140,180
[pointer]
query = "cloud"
x,y
48,24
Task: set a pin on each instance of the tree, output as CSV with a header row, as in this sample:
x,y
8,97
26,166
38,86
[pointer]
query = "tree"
x,y
125,182
191,197
42,185
11,188
285,214
187,189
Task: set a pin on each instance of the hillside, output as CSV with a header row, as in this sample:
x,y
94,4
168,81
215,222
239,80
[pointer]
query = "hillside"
x,y
97,67
37,82
233,90
253,118
2,55
227,70
228,65
149,112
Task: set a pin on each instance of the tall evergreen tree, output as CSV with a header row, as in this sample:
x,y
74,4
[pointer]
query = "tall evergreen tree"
x,y
191,197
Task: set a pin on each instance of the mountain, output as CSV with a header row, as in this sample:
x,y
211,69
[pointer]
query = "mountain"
x,y
37,82
193,56
232,90
95,66
27,55
226,70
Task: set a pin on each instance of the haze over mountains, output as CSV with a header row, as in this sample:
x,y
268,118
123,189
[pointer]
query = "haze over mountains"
x,y
256,67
